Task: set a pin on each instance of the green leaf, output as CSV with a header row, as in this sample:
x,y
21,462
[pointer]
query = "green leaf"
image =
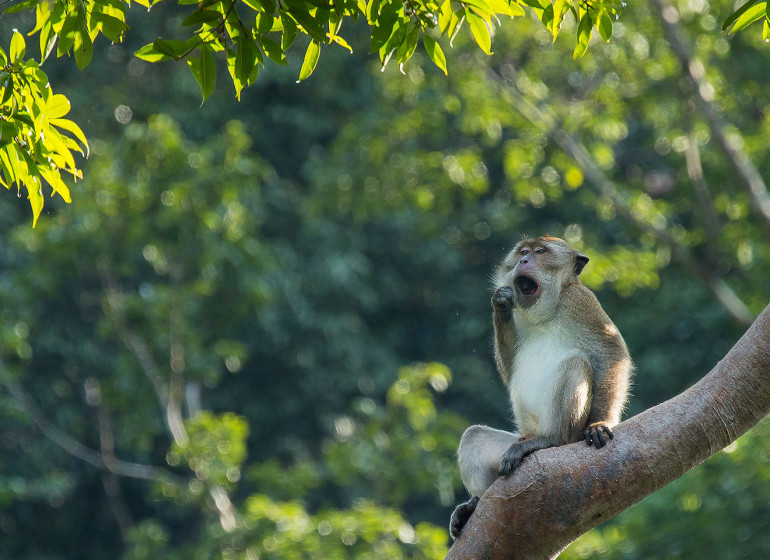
x,y
202,16
273,50
84,50
434,52
737,13
70,126
481,33
395,41
150,54
481,8
57,106
18,47
67,34
748,17
766,29
446,18
583,35
35,195
47,41
289,31
311,59
506,7
372,11
54,179
264,23
308,23
384,28
112,27
245,59
560,8
204,70
173,49
7,132
255,5
408,46
546,16
536,4
604,25
20,7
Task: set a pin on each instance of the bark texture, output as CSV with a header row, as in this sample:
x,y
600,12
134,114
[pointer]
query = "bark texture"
x,y
558,494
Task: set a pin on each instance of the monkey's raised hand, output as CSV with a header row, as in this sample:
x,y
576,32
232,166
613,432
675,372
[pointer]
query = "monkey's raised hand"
x,y
596,434
461,515
502,302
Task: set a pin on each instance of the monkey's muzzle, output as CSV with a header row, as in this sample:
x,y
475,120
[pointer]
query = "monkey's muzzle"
x,y
526,285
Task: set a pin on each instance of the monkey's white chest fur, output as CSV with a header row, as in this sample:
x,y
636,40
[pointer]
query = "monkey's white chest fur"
x,y
536,377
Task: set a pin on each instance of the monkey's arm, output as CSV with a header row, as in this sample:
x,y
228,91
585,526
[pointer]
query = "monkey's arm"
x,y
505,332
609,395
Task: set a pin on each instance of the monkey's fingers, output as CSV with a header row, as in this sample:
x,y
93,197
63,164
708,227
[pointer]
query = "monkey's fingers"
x,y
595,435
598,438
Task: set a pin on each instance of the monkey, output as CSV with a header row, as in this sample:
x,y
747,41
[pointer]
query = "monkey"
x,y
565,365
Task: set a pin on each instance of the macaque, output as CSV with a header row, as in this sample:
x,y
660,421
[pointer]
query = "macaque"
x,y
566,367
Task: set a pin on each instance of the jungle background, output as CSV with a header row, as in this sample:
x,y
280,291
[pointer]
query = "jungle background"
x,y
261,327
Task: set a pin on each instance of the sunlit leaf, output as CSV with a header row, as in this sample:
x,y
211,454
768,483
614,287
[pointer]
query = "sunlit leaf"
x,y
480,30
583,35
737,13
70,126
311,59
57,106
18,47
54,179
749,16
434,52
604,25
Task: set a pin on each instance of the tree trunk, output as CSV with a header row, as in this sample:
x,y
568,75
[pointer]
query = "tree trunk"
x,y
560,493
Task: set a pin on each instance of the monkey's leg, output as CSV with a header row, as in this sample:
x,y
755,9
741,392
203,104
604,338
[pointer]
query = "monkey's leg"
x,y
478,457
568,415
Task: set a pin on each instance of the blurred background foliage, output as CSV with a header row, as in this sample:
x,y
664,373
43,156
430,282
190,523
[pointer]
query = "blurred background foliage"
x,y
261,327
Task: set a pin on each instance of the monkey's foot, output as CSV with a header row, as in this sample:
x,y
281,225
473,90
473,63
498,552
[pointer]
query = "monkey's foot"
x,y
597,434
502,302
512,458
461,515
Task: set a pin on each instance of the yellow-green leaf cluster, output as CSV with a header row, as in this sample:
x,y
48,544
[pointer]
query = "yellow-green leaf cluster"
x,y
36,142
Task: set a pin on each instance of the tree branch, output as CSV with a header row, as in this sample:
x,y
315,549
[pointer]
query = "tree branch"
x,y
77,449
560,493
731,147
170,398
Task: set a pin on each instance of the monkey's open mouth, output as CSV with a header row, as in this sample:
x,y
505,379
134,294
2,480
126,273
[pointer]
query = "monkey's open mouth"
x,y
526,285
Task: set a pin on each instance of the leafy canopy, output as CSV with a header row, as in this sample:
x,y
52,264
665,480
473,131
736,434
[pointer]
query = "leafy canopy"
x,y
248,32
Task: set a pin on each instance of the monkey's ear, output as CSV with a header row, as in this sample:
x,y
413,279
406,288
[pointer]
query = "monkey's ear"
x,y
580,261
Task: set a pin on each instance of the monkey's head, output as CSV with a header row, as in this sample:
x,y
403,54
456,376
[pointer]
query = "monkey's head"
x,y
539,268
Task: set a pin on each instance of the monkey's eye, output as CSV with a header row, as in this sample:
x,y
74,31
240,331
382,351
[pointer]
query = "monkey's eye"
x,y
525,252
540,250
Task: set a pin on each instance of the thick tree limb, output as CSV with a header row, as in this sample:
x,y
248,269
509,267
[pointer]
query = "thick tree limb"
x,y
560,493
